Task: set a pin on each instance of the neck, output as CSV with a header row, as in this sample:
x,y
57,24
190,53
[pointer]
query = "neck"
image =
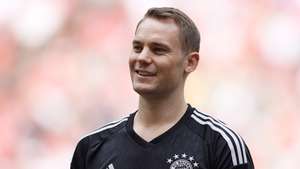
x,y
156,111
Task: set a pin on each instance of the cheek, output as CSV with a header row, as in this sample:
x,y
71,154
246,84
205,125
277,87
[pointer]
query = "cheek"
x,y
131,61
170,72
175,72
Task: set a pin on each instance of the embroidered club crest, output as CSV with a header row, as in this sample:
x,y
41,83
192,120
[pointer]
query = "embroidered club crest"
x,y
182,161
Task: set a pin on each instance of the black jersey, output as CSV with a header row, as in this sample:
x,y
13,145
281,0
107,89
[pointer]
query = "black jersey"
x,y
196,141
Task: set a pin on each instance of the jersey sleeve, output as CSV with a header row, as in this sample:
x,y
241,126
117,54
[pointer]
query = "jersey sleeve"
x,y
79,156
232,154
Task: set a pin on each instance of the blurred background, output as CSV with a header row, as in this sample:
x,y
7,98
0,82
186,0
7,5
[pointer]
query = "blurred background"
x,y
64,72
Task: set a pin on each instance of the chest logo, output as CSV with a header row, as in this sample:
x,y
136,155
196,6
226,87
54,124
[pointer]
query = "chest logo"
x,y
182,161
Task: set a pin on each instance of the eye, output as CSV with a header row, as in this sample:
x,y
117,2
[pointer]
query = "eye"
x,y
159,50
137,48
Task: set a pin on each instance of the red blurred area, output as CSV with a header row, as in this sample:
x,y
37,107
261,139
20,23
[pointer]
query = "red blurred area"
x,y
63,72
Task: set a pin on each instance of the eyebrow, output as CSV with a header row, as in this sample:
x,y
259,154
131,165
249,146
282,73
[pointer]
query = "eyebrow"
x,y
136,42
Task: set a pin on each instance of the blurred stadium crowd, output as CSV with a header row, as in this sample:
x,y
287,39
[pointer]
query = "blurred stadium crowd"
x,y
63,73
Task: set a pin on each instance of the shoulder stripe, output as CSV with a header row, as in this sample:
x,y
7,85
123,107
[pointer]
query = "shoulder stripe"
x,y
233,155
113,122
108,126
244,149
237,139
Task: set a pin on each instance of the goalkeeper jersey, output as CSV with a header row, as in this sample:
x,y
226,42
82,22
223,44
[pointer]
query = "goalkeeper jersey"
x,y
196,141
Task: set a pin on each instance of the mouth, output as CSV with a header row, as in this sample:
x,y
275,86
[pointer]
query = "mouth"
x,y
144,73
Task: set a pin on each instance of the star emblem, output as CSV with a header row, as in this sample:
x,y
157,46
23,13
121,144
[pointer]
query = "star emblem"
x,y
169,161
182,160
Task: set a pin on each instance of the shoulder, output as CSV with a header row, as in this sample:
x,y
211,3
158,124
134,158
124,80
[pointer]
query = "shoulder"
x,y
104,132
220,136
93,139
207,126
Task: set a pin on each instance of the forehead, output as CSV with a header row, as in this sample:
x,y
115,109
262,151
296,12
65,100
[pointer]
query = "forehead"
x,y
158,30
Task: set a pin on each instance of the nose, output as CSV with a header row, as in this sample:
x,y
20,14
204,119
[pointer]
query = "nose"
x,y
144,56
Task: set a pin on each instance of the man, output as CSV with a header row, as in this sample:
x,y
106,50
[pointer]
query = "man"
x,y
165,132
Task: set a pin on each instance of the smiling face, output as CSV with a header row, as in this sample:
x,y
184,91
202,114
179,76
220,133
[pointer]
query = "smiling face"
x,y
157,62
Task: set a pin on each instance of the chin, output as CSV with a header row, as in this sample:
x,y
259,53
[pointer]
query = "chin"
x,y
144,89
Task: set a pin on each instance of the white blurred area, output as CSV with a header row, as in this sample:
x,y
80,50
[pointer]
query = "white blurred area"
x,y
63,73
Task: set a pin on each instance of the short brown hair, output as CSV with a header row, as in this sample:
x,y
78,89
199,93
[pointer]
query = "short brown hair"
x,y
189,35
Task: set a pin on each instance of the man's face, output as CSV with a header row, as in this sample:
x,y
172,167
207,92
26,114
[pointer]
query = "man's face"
x,y
156,62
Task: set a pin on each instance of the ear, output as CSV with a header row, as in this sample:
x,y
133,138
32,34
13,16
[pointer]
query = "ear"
x,y
191,62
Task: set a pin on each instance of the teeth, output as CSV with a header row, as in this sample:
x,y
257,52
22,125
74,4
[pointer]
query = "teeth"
x,y
143,73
